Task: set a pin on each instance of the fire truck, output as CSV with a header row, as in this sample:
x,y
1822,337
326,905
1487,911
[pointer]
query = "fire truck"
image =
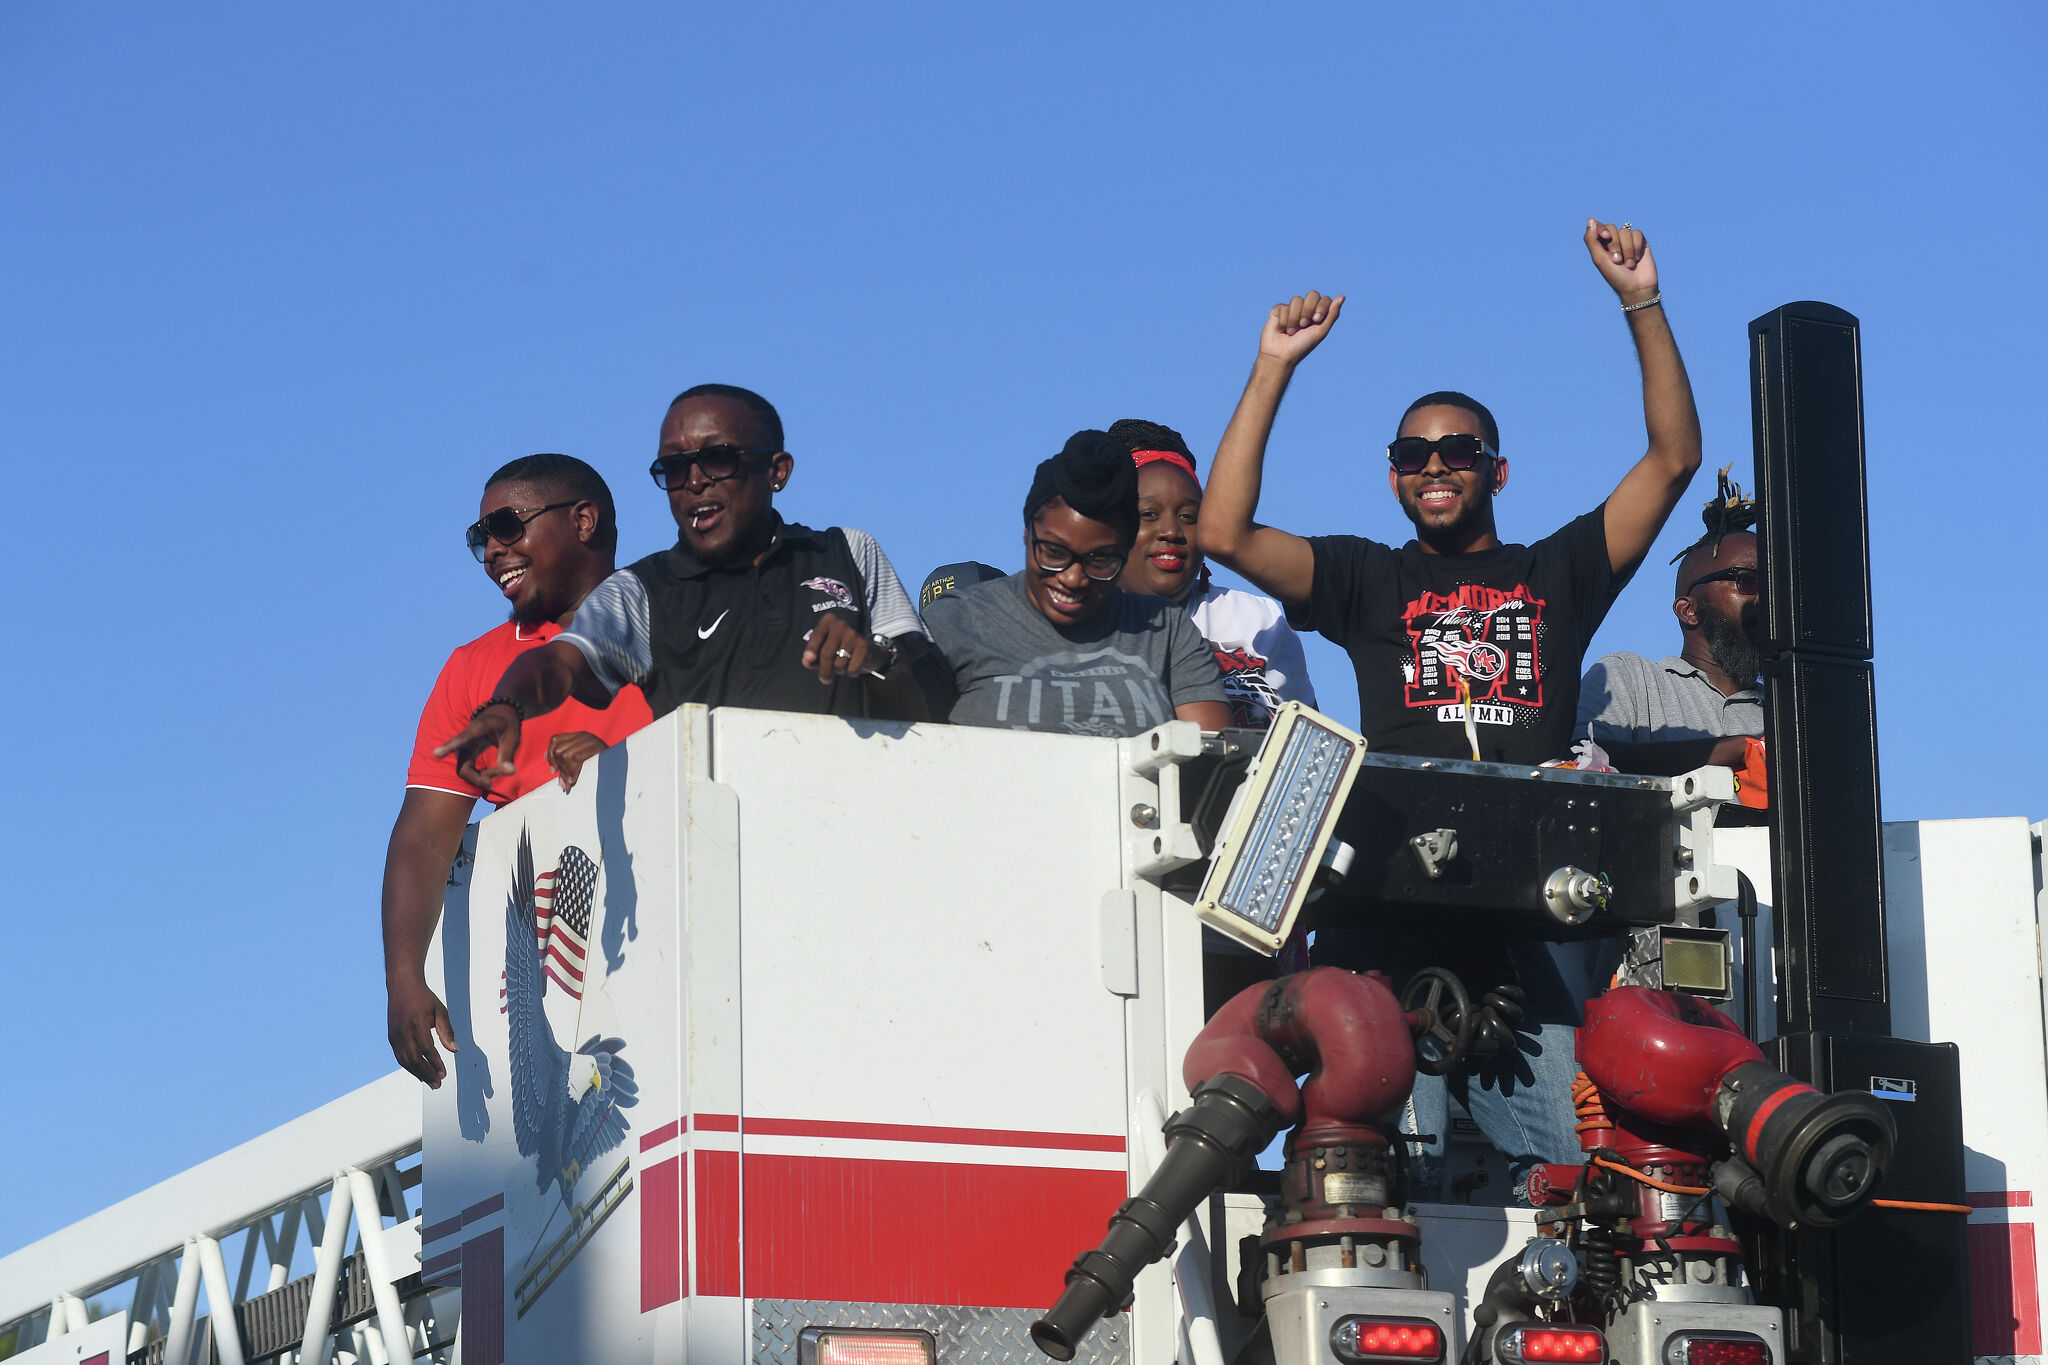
x,y
800,1040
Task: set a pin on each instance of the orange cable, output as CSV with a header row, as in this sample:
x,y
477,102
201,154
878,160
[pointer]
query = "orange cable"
x,y
1649,1180
1588,1105
1910,1205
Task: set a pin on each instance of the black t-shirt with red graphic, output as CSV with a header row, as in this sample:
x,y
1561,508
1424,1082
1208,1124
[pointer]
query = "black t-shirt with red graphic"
x,y
1502,630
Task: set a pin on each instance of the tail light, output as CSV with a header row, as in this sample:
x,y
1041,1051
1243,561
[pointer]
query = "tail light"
x,y
1718,1348
1359,1340
1536,1345
849,1346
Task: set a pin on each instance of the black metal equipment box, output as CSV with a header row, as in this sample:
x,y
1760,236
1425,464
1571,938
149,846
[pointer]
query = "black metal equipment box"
x,y
1515,829
1890,1285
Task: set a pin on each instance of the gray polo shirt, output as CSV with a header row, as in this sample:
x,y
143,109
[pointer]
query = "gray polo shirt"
x,y
1627,698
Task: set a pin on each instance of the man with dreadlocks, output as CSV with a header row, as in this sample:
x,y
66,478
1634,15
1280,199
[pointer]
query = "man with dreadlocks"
x,y
1701,706
1059,647
1466,647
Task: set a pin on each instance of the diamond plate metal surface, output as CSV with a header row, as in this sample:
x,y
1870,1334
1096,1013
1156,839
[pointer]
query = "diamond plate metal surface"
x,y
965,1336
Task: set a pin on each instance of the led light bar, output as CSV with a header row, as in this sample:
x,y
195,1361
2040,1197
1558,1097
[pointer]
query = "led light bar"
x,y
1530,1343
1366,1341
1278,826
1717,1348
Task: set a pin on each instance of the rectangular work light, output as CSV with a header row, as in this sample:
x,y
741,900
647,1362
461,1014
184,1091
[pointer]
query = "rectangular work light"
x,y
1278,827
1696,961
865,1346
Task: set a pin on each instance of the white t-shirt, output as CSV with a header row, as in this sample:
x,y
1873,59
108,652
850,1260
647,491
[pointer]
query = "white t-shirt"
x,y
1256,650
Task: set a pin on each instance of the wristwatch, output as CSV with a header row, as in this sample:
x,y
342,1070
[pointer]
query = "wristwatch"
x,y
890,656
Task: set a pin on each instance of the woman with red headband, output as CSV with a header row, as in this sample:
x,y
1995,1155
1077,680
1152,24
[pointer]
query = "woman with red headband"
x,y
1258,653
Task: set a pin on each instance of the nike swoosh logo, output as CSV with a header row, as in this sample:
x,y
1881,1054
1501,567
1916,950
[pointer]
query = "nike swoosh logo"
x,y
704,632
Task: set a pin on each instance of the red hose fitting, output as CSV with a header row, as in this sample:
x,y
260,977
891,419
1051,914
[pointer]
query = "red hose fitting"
x,y
1345,1030
1660,1054
1806,1157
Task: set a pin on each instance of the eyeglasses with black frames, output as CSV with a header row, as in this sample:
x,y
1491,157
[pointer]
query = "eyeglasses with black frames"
x,y
1101,565
1745,579
1410,454
719,463
507,526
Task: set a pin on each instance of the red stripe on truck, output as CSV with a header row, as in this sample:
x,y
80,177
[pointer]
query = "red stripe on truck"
x,y
660,1135
864,1231
2000,1199
2005,1295
663,1216
483,1298
718,1224
911,1132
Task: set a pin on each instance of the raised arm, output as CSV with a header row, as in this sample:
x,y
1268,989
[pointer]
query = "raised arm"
x,y
1278,561
1648,492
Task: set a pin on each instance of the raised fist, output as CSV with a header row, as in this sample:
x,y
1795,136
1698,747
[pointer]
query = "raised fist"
x,y
1623,259
1296,327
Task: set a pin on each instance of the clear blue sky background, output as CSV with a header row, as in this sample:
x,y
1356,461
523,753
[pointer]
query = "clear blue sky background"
x,y
280,284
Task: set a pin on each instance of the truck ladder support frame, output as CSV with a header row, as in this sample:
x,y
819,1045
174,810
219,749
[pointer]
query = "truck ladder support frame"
x,y
370,1232
326,1274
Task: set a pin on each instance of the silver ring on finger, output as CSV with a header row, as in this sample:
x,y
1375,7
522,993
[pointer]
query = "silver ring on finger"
x,y
842,654
1628,224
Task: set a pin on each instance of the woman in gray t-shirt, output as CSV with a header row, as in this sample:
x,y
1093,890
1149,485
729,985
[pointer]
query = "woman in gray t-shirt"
x,y
1059,647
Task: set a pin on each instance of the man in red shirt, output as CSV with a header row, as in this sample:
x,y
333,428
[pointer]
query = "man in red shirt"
x,y
547,536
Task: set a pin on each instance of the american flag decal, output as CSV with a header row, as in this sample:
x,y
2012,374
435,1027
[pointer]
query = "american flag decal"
x,y
561,918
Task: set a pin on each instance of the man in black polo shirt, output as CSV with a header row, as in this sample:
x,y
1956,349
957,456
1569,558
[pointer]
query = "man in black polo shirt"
x,y
1465,647
746,609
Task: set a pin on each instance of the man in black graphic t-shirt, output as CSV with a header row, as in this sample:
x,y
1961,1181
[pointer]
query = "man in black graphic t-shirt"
x,y
1494,634
1465,647
1460,641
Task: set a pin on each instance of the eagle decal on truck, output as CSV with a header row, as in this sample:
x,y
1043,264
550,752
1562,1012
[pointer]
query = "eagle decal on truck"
x,y
566,1106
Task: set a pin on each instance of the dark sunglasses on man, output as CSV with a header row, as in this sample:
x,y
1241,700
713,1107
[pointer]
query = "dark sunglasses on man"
x,y
718,463
507,526
1101,565
1410,454
1746,580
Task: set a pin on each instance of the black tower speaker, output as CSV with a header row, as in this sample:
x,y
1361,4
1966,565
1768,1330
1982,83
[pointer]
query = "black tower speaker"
x,y
1889,1287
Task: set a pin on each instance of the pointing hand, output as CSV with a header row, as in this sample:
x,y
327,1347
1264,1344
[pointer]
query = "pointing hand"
x,y
495,726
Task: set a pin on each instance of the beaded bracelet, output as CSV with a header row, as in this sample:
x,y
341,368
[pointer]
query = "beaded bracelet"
x,y
517,709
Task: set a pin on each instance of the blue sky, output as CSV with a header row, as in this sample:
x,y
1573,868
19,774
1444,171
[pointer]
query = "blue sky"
x,y
283,284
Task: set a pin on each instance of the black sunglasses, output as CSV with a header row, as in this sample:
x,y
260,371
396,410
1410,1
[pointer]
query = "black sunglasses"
x,y
507,526
1745,579
1101,565
1410,454
718,463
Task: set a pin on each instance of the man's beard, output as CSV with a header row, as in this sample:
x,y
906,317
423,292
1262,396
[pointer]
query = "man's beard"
x,y
534,611
1470,511
1728,641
